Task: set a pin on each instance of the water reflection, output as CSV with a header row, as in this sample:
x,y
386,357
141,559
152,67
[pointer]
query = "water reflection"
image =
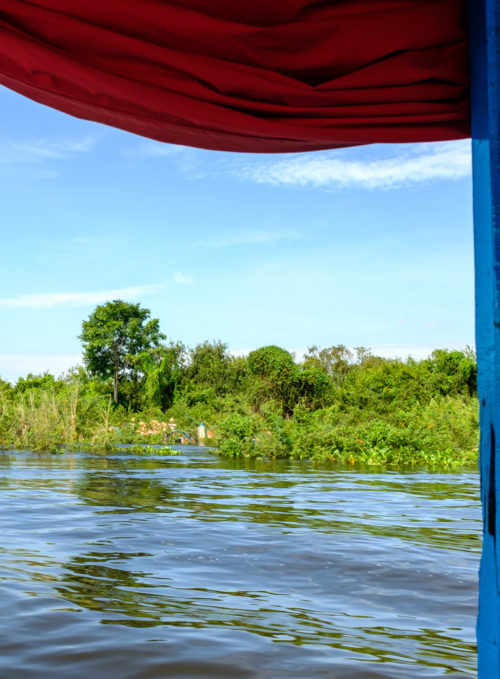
x,y
127,597
123,490
250,570
341,502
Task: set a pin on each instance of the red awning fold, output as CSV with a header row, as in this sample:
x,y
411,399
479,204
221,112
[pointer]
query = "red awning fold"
x,y
241,75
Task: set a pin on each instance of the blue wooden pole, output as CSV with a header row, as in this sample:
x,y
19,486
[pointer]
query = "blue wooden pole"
x,y
484,21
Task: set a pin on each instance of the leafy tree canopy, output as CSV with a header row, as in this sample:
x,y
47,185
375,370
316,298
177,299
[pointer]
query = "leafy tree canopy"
x,y
275,371
113,334
161,367
34,382
335,361
271,362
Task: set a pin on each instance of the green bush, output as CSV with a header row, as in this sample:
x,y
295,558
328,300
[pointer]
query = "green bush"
x,y
337,405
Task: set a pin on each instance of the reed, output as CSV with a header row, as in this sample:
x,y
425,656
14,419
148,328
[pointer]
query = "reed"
x,y
46,419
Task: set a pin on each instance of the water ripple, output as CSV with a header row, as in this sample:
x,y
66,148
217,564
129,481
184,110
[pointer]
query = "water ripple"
x,y
194,567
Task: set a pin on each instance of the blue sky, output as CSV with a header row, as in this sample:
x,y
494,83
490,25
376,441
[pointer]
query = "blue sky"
x,y
367,246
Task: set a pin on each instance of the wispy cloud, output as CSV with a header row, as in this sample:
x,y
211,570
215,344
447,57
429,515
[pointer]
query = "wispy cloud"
x,y
252,237
50,300
183,279
154,149
190,161
406,164
40,150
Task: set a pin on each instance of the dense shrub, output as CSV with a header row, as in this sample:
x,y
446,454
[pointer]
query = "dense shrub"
x,y
337,405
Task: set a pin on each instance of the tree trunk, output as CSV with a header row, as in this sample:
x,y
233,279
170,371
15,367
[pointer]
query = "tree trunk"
x,y
115,376
115,386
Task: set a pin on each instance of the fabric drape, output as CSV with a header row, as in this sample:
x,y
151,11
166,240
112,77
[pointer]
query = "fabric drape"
x,y
246,75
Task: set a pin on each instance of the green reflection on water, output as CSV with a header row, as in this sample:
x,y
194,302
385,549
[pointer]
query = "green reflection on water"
x,y
270,499
122,491
280,495
125,597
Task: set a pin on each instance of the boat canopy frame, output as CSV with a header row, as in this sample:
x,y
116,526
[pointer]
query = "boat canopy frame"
x,y
27,56
484,41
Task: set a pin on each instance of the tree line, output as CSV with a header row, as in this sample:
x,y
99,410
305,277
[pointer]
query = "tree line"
x,y
335,404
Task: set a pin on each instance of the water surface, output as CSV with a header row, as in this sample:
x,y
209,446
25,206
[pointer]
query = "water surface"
x,y
194,567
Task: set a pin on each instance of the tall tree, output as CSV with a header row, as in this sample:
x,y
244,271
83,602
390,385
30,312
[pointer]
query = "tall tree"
x,y
162,368
335,361
210,367
274,372
113,334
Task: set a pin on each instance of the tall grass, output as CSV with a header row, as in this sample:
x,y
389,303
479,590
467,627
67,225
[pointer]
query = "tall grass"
x,y
46,419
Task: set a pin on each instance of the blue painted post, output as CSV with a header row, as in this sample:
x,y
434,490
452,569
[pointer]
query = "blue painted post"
x,y
484,20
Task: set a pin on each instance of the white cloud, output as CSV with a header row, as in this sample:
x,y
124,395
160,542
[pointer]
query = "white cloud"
x,y
183,279
154,149
407,164
49,300
13,366
39,150
185,159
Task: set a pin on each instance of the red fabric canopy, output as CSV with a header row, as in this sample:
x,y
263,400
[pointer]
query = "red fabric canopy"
x,y
246,75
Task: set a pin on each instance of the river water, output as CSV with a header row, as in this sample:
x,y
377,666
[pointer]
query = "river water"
x,y
193,567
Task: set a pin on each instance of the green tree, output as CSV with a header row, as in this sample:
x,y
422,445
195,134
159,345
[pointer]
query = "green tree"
x,y
275,373
162,368
35,382
113,335
311,387
335,361
454,371
210,368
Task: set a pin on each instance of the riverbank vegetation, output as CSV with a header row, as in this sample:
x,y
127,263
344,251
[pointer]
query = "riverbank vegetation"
x,y
333,404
